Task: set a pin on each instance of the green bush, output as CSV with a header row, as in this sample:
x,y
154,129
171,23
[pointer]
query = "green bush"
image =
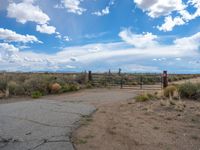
x,y
74,87
65,88
142,98
70,87
16,89
170,90
36,94
36,84
12,86
89,85
3,84
189,90
151,96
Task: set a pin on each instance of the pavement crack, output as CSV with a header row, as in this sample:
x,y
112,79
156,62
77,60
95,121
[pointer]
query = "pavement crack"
x,y
44,141
65,112
40,123
52,141
6,141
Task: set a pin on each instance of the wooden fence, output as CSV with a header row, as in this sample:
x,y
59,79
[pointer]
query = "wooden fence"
x,y
126,80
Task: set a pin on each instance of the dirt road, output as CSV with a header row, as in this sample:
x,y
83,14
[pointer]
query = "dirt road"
x,y
130,125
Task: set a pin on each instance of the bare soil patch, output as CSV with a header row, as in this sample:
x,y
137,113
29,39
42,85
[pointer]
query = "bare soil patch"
x,y
129,125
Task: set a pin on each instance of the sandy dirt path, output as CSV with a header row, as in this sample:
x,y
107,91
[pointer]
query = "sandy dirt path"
x,y
130,125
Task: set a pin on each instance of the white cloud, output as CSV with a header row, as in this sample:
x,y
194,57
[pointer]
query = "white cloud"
x,y
156,8
63,38
8,52
66,38
170,23
70,67
72,6
190,43
105,55
178,59
46,29
58,36
139,68
26,11
8,47
103,12
181,16
11,36
138,40
73,59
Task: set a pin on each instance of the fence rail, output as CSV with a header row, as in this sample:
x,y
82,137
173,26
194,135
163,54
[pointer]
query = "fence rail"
x,y
125,80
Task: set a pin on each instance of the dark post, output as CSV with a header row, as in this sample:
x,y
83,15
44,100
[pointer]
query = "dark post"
x,y
85,76
141,82
165,80
119,71
90,76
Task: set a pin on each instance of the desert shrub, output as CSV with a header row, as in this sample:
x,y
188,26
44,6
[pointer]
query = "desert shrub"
x,y
36,94
148,80
170,80
189,90
142,98
175,78
55,88
3,83
36,84
60,81
70,87
74,87
12,86
20,90
65,88
16,89
134,83
151,96
21,78
170,90
89,85
81,78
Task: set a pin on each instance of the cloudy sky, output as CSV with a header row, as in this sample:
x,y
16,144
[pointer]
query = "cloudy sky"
x,y
97,35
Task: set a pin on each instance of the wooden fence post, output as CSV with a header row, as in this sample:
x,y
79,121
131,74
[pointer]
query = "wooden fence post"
x,y
119,71
109,72
141,82
90,76
165,80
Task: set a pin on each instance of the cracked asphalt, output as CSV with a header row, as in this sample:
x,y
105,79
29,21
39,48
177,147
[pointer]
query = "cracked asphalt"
x,y
39,124
47,123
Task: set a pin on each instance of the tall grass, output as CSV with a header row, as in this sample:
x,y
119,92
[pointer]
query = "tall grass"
x,y
190,90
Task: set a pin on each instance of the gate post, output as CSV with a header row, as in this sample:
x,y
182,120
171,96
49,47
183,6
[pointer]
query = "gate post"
x,y
90,76
119,73
141,82
165,80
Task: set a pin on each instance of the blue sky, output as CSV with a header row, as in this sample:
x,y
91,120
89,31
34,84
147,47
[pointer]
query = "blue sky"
x,y
97,35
